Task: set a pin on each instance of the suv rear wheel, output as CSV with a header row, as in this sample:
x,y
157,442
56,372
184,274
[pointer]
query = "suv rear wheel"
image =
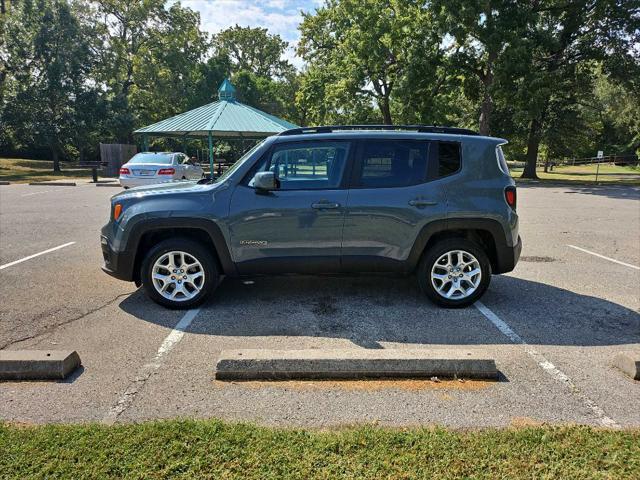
x,y
179,273
454,273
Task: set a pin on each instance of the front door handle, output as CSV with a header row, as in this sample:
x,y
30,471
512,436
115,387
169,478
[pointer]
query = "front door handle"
x,y
325,205
421,203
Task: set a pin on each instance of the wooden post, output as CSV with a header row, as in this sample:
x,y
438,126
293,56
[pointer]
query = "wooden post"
x,y
211,154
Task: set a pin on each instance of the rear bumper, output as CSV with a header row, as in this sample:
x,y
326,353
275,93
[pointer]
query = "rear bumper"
x,y
117,264
130,182
507,257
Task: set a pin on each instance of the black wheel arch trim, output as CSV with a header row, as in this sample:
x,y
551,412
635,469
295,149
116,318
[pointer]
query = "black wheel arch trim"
x,y
177,223
506,255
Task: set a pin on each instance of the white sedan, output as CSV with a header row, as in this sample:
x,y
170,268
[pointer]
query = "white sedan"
x,y
148,168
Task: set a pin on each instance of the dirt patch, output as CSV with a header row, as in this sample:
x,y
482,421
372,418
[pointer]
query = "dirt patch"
x,y
520,422
535,259
408,384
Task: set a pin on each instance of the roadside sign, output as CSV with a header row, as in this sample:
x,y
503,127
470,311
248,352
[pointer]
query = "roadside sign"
x,y
600,154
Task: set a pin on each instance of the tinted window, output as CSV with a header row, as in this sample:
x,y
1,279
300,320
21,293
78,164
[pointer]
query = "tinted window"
x,y
393,163
309,165
151,158
448,158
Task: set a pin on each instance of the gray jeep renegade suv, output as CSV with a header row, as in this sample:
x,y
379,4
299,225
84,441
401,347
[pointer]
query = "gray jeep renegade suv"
x,y
434,201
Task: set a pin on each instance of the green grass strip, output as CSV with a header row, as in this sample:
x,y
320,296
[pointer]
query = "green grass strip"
x,y
213,449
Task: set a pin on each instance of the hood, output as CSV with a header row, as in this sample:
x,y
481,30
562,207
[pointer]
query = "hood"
x,y
166,189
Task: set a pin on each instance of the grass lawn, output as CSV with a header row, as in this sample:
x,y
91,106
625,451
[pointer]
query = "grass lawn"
x,y
213,449
610,174
21,170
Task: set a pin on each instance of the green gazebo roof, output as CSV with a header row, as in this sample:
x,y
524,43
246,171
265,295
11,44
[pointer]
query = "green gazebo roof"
x,y
225,118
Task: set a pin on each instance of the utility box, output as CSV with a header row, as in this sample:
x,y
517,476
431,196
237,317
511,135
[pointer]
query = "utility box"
x,y
115,155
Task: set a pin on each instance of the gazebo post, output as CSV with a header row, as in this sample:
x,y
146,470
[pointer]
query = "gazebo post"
x,y
211,154
145,143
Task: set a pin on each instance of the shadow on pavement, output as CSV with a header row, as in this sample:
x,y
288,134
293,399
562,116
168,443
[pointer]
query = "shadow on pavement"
x,y
611,191
369,310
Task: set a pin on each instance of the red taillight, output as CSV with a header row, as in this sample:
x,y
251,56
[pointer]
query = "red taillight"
x,y
510,196
166,171
124,171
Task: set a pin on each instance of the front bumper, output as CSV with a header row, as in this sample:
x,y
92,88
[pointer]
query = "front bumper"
x,y
117,264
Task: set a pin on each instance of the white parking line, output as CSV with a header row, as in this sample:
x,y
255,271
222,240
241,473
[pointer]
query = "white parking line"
x,y
606,258
59,189
147,370
546,365
6,265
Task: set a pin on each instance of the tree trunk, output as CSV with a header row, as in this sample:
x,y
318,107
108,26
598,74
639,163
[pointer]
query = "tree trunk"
x,y
485,113
56,159
533,145
486,109
386,111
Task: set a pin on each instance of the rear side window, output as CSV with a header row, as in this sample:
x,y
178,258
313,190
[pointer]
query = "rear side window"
x,y
448,158
396,163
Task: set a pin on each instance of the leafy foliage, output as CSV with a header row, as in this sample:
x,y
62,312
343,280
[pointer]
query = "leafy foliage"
x,y
557,78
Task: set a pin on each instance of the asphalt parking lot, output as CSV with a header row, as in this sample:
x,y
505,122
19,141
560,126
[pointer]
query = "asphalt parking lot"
x,y
553,325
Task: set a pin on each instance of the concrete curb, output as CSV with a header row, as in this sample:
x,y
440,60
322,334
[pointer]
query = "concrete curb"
x,y
37,364
5,183
629,363
53,184
353,363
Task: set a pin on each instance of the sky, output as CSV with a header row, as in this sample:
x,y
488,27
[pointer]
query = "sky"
x,y
278,16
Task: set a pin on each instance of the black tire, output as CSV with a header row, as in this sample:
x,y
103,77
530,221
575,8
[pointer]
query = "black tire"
x,y
195,250
439,249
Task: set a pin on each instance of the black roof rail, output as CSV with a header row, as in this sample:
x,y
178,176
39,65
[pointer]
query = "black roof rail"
x,y
416,128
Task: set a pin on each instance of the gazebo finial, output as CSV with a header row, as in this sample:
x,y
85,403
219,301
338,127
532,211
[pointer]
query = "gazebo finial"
x,y
226,91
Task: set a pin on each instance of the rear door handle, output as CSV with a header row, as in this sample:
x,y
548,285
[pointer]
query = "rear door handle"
x,y
325,205
422,203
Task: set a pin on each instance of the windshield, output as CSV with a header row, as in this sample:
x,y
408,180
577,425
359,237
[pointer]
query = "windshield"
x,y
237,165
151,158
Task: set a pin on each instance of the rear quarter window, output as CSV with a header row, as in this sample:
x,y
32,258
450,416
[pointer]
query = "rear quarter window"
x,y
448,158
502,162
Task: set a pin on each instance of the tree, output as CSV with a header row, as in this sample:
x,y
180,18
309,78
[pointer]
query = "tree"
x,y
361,48
150,65
566,36
49,62
481,31
253,50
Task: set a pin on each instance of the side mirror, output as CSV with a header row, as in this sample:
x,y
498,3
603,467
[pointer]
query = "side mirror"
x,y
264,181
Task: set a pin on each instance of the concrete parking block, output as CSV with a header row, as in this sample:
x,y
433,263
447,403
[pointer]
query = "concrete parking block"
x,y
629,363
53,184
114,184
5,183
254,364
37,364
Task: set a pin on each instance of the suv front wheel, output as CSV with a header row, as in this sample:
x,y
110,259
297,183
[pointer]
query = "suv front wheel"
x,y
454,273
179,273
